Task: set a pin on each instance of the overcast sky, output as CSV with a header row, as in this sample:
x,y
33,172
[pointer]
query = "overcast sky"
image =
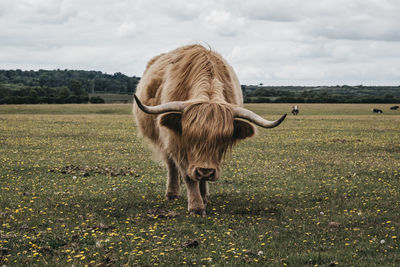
x,y
280,42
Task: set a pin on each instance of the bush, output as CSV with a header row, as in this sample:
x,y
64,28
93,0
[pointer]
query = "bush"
x,y
96,100
83,99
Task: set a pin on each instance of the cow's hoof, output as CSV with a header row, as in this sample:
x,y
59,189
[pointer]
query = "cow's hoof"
x,y
205,200
171,197
198,212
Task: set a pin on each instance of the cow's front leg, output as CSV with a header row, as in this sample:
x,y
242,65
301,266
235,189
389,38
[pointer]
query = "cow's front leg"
x,y
173,181
195,200
204,191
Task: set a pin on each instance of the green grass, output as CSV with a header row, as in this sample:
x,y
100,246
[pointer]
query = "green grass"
x,y
67,109
262,109
273,206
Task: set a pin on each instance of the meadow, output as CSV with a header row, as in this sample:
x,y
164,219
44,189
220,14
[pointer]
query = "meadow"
x,y
78,187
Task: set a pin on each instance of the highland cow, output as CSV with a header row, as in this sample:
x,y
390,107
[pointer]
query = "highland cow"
x,y
189,104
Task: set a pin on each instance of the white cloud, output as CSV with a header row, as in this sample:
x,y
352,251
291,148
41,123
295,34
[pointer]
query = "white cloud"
x,y
127,29
224,23
249,72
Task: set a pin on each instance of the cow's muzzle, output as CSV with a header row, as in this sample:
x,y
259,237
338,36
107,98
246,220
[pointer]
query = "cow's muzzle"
x,y
208,174
203,173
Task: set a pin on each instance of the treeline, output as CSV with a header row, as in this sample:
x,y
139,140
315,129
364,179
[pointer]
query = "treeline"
x,y
326,94
61,86
74,86
41,95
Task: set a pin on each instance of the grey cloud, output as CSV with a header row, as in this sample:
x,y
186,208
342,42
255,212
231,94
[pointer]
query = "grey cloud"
x,y
268,10
333,19
349,29
357,20
183,11
42,12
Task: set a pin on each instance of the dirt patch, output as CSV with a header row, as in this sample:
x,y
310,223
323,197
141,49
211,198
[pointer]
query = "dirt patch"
x,y
91,170
8,236
4,250
341,140
162,213
190,243
100,227
334,226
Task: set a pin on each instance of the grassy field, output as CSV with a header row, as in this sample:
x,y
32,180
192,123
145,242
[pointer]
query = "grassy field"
x,y
77,187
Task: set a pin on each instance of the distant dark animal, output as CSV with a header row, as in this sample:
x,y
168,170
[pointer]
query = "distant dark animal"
x,y
295,110
190,106
394,108
375,110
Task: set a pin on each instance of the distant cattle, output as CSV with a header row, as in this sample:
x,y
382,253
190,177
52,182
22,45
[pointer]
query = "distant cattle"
x,y
190,106
375,110
394,108
295,110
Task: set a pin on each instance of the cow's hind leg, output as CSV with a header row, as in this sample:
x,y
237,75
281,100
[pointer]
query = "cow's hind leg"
x,y
173,181
195,200
204,191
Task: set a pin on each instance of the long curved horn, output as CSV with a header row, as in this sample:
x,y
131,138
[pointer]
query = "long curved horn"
x,y
246,114
176,106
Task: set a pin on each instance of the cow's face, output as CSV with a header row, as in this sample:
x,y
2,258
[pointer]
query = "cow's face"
x,y
205,132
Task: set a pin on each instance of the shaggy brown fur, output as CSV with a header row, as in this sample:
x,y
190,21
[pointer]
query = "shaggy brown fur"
x,y
198,138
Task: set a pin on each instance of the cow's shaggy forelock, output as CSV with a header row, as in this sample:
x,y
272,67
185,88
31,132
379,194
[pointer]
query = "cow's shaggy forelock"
x,y
207,132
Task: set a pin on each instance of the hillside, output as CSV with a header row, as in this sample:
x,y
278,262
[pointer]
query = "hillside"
x,y
79,86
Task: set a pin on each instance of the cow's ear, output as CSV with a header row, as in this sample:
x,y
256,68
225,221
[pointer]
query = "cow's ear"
x,y
242,130
172,121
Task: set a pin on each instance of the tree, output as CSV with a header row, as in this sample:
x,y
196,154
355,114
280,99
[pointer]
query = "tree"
x,y
76,87
64,92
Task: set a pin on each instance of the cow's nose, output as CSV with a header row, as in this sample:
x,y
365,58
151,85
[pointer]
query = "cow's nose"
x,y
205,172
